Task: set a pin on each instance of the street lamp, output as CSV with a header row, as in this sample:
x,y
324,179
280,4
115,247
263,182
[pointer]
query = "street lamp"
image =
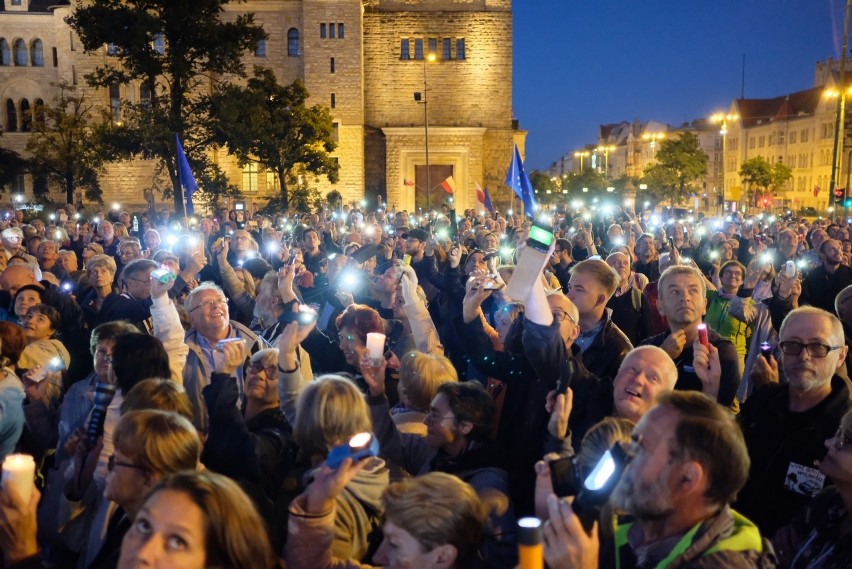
x,y
722,120
423,99
606,149
654,137
581,154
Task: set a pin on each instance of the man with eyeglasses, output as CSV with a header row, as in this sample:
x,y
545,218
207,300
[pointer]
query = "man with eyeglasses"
x,y
210,323
785,423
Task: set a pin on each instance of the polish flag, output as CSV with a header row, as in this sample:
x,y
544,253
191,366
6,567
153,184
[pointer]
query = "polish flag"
x,y
449,185
480,195
407,182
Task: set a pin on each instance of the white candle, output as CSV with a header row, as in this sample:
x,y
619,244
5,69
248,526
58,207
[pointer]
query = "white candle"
x,y
19,473
376,345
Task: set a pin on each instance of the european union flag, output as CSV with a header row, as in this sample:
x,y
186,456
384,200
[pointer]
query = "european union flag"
x,y
187,180
518,180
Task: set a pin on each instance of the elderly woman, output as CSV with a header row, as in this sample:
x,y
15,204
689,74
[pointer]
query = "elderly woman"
x,y
90,250
420,376
41,324
254,447
103,303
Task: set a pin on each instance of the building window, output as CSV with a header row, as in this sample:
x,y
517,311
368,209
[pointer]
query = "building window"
x,y
260,48
340,31
418,49
11,116
112,49
793,137
331,65
333,101
335,131
403,49
55,57
293,42
26,116
38,53
5,53
71,39
460,53
73,74
433,45
38,111
20,53
145,95
114,102
331,31
447,51
272,181
322,31
250,177
159,43
17,2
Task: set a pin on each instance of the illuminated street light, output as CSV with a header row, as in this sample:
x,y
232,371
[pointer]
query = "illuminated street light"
x,y
581,154
606,149
722,119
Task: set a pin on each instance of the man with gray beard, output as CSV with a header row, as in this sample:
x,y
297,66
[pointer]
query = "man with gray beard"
x,y
785,424
690,461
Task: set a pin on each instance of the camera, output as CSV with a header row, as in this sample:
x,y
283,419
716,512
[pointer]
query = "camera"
x,y
163,276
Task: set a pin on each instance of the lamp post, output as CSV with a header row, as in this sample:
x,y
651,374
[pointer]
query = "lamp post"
x,y
581,154
424,100
606,149
723,119
654,137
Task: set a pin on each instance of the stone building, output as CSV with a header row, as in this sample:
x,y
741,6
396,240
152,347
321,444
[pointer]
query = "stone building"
x,y
367,60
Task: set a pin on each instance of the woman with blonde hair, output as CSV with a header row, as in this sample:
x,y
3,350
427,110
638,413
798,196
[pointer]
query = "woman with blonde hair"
x,y
329,412
420,376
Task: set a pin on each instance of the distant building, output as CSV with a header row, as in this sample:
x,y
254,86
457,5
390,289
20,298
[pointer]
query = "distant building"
x,y
365,59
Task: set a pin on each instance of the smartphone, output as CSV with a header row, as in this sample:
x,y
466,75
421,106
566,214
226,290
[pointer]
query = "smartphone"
x,y
360,446
163,276
540,238
702,335
565,476
292,260
300,316
222,343
566,375
790,269
766,350
406,260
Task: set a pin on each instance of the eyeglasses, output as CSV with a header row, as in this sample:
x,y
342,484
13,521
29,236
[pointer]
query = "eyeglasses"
x,y
841,440
112,463
271,371
208,304
815,349
561,315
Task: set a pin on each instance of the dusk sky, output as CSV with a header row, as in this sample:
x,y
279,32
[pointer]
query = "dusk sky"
x,y
582,63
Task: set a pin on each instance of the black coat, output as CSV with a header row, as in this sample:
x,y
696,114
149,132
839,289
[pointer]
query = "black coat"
x,y
783,447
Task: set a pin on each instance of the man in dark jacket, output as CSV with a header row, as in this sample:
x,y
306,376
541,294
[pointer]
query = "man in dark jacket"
x,y
822,285
683,301
786,424
602,344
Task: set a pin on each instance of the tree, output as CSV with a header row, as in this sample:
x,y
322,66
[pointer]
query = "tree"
x,y
173,49
680,162
64,145
593,181
12,165
760,177
546,189
269,123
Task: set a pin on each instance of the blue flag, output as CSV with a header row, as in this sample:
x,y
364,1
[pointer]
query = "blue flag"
x,y
187,180
517,179
488,205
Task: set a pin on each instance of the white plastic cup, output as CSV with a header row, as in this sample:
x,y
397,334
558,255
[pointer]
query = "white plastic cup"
x,y
376,345
19,473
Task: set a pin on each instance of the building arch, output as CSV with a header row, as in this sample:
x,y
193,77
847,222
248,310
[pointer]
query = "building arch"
x,y
20,53
293,47
37,53
5,53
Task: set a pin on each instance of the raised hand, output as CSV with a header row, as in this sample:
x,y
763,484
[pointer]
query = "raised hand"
x,y
705,362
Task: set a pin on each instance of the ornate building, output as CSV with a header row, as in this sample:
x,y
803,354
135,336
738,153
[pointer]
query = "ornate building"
x,y
369,61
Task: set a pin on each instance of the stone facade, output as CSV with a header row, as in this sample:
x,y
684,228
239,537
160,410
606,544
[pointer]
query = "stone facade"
x,y
361,76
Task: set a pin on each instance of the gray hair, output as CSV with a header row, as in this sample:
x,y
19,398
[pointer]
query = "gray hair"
x,y
189,303
267,357
101,261
837,336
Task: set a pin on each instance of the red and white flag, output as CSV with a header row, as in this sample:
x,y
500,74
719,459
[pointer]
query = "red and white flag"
x,y
480,195
816,191
449,185
407,182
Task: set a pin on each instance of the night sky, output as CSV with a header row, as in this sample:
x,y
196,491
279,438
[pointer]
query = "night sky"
x,y
581,63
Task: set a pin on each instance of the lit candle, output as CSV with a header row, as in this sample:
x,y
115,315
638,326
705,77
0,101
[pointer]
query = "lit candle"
x,y
376,345
19,473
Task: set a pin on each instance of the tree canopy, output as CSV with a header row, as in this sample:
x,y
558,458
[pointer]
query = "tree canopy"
x,y
680,162
170,51
760,177
269,123
64,145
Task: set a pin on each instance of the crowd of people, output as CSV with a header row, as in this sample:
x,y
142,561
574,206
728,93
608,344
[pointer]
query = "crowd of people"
x,y
354,388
